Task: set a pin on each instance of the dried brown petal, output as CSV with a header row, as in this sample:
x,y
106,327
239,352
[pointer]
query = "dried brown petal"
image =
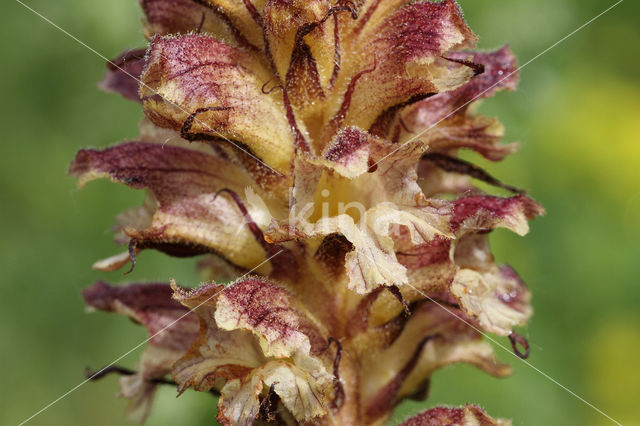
x,y
445,121
469,415
212,91
251,334
497,298
188,219
433,337
123,74
406,47
172,329
164,17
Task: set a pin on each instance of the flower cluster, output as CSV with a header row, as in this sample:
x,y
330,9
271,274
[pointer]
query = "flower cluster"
x,y
308,151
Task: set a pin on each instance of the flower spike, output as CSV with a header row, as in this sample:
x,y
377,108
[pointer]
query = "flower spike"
x,y
308,152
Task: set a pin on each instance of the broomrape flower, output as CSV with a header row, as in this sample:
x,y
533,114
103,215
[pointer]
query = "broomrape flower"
x,y
309,151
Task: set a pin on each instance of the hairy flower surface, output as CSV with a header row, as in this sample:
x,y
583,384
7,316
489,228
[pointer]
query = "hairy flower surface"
x,y
309,151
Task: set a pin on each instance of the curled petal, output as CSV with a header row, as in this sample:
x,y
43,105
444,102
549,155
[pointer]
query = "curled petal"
x,y
303,395
162,17
500,73
497,298
212,91
217,354
433,337
243,328
272,314
480,213
372,263
188,219
494,296
481,134
469,415
239,402
123,74
446,121
150,305
172,328
407,46
266,178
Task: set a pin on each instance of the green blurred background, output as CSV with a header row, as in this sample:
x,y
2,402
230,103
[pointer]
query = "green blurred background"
x,y
577,114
